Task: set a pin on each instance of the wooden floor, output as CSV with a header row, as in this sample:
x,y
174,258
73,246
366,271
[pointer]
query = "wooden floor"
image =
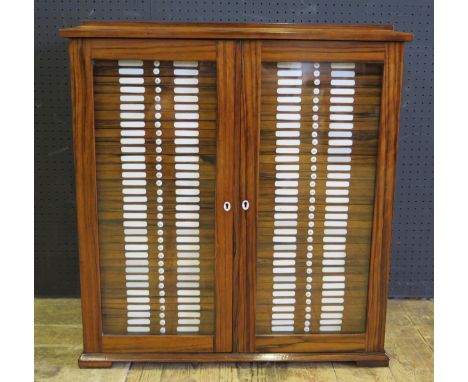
x,y
409,344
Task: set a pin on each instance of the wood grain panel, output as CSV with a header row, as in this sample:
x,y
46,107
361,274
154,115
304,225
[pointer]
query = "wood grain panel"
x,y
113,29
314,343
361,358
385,184
170,343
245,264
86,194
225,193
337,51
143,49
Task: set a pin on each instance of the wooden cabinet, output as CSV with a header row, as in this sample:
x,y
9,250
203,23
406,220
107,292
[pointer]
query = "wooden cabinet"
x,y
234,189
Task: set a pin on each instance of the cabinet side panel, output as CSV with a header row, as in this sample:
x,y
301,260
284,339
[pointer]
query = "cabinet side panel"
x,y
385,185
85,175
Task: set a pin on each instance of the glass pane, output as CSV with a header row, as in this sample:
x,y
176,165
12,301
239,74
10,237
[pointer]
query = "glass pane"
x,y
318,147
155,151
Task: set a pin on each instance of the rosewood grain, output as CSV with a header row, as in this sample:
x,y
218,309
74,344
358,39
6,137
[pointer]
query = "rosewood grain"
x,y
249,101
375,359
232,31
86,193
385,184
225,192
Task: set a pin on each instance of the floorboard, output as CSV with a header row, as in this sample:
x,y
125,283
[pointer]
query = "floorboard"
x,y
409,342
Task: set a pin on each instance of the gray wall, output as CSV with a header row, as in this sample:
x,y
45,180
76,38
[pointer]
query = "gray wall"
x,y
56,258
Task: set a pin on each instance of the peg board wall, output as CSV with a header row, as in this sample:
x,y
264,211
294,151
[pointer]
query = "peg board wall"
x,y
56,256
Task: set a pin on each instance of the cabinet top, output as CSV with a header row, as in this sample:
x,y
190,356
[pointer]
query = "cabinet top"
x,y
330,32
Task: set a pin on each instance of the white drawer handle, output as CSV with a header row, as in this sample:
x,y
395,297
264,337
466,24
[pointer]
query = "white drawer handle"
x,y
227,206
245,205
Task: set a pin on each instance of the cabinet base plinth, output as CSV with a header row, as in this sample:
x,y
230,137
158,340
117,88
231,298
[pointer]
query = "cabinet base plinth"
x,y
102,360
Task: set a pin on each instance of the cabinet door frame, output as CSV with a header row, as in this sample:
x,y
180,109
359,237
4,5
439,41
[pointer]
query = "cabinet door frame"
x,y
81,53
253,54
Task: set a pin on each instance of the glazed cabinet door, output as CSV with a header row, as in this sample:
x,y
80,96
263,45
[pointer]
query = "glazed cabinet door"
x,y
311,134
161,133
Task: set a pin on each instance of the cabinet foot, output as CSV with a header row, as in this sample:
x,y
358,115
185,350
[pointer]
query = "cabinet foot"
x,y
85,363
373,363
